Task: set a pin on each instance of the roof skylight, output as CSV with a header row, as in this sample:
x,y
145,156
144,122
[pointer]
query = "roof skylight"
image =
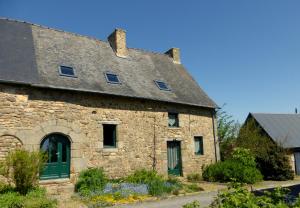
x,y
162,85
112,78
66,71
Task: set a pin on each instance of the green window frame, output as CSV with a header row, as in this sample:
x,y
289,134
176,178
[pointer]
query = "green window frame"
x,y
173,120
198,140
109,135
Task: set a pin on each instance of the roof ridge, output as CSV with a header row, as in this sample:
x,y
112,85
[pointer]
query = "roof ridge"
x,y
50,28
148,51
277,113
76,34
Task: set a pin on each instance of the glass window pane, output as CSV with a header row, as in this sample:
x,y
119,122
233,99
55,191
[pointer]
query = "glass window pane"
x,y
162,85
64,152
173,120
53,152
65,70
198,145
109,135
113,78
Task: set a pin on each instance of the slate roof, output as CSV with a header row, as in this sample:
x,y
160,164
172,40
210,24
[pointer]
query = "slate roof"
x,y
282,128
31,54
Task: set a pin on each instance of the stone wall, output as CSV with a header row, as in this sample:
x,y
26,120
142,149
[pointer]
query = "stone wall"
x,y
28,114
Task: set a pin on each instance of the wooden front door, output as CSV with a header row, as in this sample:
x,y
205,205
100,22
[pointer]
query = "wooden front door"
x,y
57,148
174,158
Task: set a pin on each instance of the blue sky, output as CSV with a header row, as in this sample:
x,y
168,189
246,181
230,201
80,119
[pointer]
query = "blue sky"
x,y
245,53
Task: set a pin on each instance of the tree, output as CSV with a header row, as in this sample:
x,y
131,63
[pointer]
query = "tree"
x,y
271,158
227,126
227,132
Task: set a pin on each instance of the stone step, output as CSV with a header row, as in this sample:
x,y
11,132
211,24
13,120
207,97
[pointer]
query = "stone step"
x,y
60,189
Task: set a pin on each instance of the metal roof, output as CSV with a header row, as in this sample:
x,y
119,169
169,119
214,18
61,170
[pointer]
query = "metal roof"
x,y
284,129
31,54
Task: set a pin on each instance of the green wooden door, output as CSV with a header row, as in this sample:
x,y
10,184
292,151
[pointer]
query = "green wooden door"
x,y
174,158
57,147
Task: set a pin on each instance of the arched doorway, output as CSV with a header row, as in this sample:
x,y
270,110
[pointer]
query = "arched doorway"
x,y
57,147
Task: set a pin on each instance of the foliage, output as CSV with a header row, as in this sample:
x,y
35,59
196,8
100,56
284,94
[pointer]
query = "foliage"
x,y
111,199
243,156
5,188
194,177
190,188
276,166
23,168
35,198
174,181
227,126
227,132
271,158
238,197
143,176
241,167
230,170
91,180
156,183
126,189
194,204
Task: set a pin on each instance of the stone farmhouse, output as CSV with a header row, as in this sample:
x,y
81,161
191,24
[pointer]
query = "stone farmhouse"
x,y
92,103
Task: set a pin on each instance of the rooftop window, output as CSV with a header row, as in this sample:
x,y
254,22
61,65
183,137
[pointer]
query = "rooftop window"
x,y
66,71
162,85
112,78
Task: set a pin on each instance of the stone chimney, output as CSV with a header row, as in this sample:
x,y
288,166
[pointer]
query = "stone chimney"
x,y
174,53
117,41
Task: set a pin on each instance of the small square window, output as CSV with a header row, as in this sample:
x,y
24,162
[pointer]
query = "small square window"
x,y
162,85
198,145
112,78
173,120
66,71
109,136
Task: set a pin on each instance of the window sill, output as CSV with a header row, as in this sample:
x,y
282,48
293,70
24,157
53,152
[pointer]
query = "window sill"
x,y
110,149
175,128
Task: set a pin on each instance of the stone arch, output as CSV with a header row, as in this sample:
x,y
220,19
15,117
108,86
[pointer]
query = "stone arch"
x,y
71,130
8,143
67,136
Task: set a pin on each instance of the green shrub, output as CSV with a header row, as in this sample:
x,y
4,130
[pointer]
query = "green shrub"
x,y
34,199
156,183
230,170
4,188
271,158
238,197
243,156
194,204
194,177
23,168
37,199
91,180
276,166
240,168
143,176
11,200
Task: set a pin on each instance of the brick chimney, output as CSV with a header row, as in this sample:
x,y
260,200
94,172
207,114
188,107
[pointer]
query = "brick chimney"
x,y
174,53
117,41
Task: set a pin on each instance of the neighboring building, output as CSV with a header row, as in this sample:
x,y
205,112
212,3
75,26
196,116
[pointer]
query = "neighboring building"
x,y
284,129
92,103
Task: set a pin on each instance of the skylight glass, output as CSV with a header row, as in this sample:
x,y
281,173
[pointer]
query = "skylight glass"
x,y
162,85
112,78
66,71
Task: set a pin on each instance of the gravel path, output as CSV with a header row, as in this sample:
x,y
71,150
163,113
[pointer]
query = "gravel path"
x,y
175,202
